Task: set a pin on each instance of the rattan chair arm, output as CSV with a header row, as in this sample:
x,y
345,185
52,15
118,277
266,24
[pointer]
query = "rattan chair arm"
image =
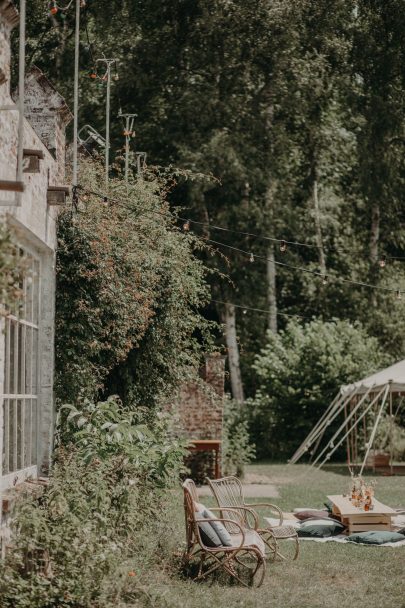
x,y
232,509
244,508
222,520
269,506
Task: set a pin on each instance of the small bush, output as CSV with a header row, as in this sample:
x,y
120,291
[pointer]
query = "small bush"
x,y
237,449
77,544
299,372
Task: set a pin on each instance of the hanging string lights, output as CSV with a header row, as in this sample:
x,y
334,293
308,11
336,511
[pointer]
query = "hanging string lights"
x,y
283,246
252,257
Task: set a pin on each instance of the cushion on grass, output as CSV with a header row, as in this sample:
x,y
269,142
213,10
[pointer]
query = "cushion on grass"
x,y
303,515
218,527
375,537
320,528
208,535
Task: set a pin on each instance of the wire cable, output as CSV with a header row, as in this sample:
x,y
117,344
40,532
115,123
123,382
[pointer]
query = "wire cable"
x,y
251,255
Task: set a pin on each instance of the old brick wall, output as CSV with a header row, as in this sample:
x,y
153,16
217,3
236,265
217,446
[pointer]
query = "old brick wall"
x,y
199,406
198,411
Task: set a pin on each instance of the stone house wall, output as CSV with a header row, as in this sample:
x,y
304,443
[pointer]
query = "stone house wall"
x,y
33,224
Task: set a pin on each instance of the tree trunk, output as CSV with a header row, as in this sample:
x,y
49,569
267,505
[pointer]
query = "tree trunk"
x,y
374,233
271,289
233,353
318,228
271,266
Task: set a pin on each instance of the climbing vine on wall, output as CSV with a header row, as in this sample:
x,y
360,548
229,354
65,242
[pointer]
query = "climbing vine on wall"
x,y
128,293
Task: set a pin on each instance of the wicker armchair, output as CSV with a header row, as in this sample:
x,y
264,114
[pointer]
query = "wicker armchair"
x,y
228,492
244,559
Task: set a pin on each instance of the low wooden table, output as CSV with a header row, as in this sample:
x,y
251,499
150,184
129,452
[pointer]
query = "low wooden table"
x,y
357,519
208,445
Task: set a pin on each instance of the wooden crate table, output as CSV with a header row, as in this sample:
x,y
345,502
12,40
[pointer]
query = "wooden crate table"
x,y
357,519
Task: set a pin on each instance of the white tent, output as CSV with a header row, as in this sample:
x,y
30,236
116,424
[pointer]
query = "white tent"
x,y
395,374
355,403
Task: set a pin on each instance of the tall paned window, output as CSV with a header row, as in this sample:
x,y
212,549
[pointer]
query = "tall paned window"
x,y
20,398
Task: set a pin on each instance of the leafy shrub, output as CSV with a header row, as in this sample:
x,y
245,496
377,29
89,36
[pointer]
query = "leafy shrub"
x,y
128,293
11,267
299,372
236,446
75,546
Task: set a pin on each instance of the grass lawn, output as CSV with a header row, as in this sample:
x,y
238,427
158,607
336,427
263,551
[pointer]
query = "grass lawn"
x,y
330,575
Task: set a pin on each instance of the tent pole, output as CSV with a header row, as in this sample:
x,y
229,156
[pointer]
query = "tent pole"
x,y
339,405
313,433
355,441
368,407
347,440
391,434
373,433
342,426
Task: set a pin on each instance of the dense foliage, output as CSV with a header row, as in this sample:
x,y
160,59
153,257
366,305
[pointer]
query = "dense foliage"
x,y
128,293
237,449
296,109
11,267
77,544
300,371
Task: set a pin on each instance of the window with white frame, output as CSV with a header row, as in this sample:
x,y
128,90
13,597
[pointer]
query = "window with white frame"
x,y
20,383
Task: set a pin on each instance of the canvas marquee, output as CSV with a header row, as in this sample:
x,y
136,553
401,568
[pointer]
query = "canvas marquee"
x,y
355,405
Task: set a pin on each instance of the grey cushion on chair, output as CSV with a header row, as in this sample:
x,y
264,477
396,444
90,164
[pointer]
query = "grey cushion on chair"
x,y
222,532
208,535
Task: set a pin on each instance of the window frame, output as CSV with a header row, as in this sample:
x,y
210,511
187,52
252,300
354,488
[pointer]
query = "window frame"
x,y
20,390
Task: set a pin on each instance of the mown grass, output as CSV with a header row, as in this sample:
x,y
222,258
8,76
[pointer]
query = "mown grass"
x,y
327,574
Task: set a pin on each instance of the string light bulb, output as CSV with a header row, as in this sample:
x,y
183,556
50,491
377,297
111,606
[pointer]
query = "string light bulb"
x,y
325,279
116,77
251,258
244,311
383,261
399,295
186,226
82,3
283,246
53,8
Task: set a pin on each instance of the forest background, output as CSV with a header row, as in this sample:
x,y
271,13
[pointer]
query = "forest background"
x,y
297,114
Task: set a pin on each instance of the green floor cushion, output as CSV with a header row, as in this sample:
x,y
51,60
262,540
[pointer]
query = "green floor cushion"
x,y
376,537
320,528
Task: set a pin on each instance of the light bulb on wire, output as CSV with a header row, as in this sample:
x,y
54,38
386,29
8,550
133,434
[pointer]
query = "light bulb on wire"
x,y
251,258
53,9
399,295
186,226
325,279
82,3
383,261
283,246
116,77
